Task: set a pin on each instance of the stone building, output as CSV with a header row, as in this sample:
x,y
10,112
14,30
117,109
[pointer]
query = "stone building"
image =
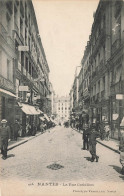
x,y
101,79
62,109
24,71
107,63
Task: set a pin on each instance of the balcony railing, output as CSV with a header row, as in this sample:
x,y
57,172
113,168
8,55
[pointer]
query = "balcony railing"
x,y
3,32
117,88
6,83
116,45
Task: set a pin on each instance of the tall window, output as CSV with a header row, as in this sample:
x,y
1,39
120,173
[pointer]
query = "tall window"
x,y
8,24
21,26
9,70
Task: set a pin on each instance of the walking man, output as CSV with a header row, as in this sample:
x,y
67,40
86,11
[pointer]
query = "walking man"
x,y
93,134
16,129
5,137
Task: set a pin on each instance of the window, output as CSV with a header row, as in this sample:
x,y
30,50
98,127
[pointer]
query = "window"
x,y
21,26
8,23
9,70
15,15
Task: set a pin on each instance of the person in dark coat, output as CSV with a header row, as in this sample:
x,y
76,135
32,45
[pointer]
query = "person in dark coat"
x,y
93,134
16,129
5,137
85,137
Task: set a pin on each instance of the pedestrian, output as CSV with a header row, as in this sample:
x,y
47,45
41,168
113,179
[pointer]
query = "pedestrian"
x,y
107,131
16,129
102,130
85,137
93,134
5,137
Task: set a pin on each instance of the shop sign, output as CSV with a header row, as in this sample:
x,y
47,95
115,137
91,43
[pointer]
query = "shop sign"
x,y
119,96
23,48
23,88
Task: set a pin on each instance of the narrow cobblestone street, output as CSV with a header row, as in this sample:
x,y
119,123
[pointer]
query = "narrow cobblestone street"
x,y
61,146
30,162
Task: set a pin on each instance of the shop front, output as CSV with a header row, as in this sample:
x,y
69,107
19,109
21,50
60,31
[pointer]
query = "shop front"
x,y
27,116
7,106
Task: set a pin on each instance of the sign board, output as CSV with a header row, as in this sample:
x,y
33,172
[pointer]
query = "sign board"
x,y
119,96
23,88
23,48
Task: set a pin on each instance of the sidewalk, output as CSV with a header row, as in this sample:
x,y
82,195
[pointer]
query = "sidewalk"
x,y
21,140
112,144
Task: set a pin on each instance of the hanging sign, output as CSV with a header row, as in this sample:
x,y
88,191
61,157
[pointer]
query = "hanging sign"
x,y
23,48
23,88
119,96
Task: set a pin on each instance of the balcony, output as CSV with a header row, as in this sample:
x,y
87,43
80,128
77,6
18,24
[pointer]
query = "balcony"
x,y
24,71
99,41
117,88
116,45
3,32
6,83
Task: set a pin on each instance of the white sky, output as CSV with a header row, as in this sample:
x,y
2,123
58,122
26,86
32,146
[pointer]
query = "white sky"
x,y
64,26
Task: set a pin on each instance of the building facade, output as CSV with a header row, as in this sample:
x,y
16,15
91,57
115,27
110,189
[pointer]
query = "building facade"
x,y
24,71
62,109
101,79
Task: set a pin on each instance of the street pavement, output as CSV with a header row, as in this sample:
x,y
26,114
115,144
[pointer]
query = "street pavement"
x,y
61,146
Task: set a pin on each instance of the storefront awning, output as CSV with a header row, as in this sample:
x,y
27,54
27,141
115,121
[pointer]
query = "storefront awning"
x,y
42,118
7,92
40,111
47,118
28,109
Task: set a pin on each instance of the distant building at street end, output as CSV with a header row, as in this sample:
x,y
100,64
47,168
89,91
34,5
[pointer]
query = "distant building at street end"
x,y
62,107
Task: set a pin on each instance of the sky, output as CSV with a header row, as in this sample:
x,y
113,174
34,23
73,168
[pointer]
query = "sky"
x,y
64,27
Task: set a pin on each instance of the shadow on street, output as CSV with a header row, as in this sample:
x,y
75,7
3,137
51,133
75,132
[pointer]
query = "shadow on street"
x,y
10,155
